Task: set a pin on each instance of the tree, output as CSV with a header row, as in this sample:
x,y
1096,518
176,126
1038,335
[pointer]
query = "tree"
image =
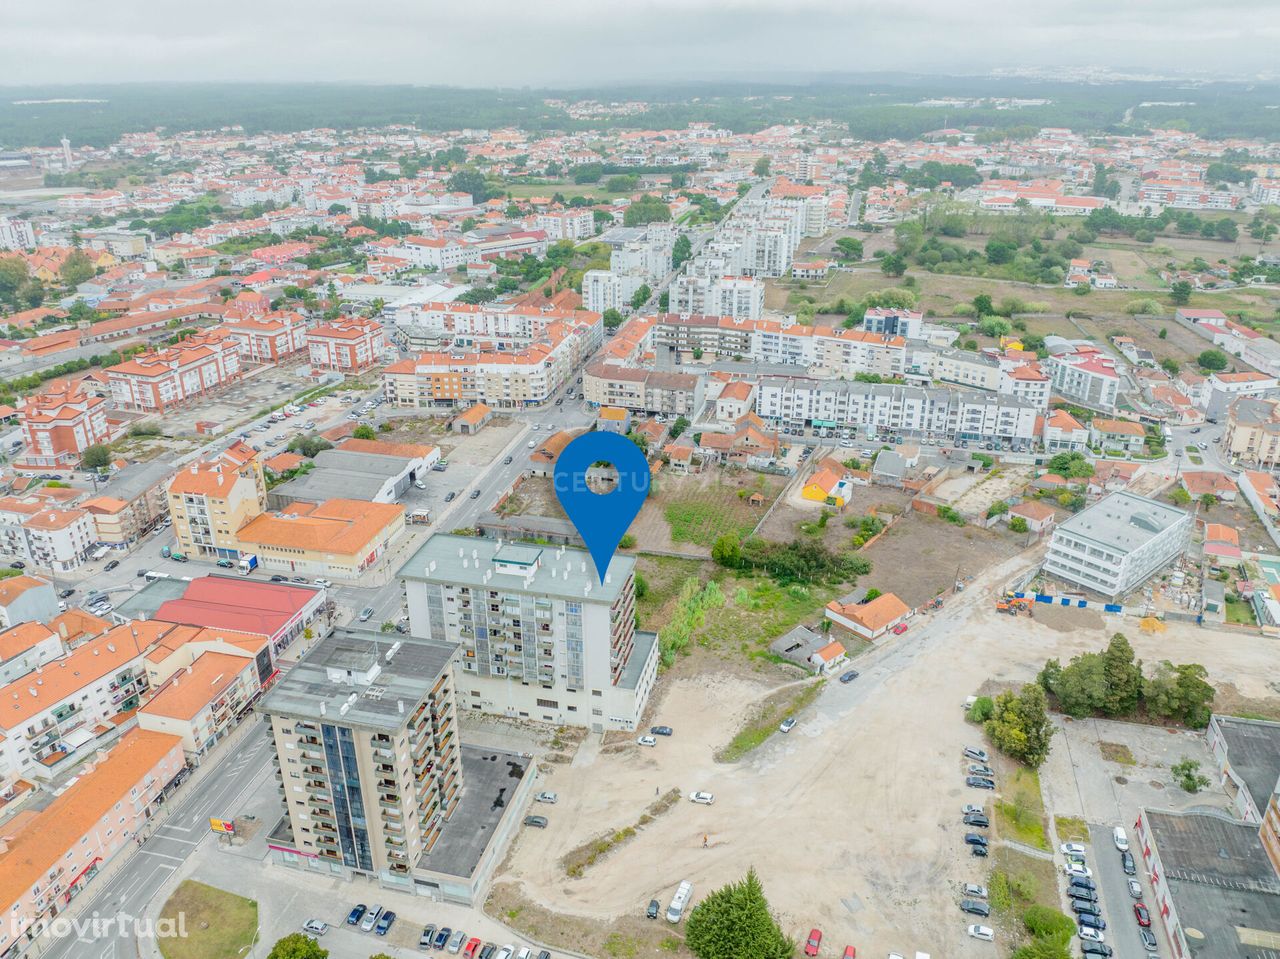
x,y
894,264
297,946
681,251
612,319
647,209
1046,923
1170,366
1195,695
472,181
849,248
1212,360
1180,497
1226,230
762,167
735,921
308,446
95,457
1187,774
1180,292
1020,727
1018,524
76,269
1000,251
364,432
726,551
982,305
872,593
1123,677
998,508
679,426
1164,333
1070,465
641,296
1082,687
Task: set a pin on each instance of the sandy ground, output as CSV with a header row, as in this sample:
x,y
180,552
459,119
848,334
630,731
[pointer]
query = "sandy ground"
x,y
860,841
973,493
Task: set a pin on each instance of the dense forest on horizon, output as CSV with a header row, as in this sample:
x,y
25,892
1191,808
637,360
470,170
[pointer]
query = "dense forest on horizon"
x,y
873,108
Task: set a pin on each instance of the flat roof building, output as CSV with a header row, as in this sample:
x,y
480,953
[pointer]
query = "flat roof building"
x,y
1115,545
542,638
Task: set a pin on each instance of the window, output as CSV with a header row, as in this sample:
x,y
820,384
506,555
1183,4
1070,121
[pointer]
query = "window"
x,y
548,704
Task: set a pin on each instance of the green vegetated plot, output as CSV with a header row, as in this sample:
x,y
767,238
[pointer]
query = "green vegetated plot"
x,y
700,514
217,924
1020,808
765,718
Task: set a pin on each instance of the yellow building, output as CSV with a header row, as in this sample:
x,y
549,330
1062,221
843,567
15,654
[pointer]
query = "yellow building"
x,y
209,502
826,486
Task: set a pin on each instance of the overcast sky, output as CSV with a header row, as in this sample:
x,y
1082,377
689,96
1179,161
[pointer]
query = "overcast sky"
x,y
592,42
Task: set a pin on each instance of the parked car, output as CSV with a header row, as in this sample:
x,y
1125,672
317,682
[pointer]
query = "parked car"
x,y
1095,949
787,724
1079,882
314,927
978,782
849,676
1092,922
652,911
972,810
899,629
661,730
365,614
813,943
506,461
1089,935
65,593
976,754
1135,890
975,839
1119,837
702,798
977,769
442,938
646,741
1075,869
428,937
1072,849
538,822
1148,939
506,952
1127,864
487,950
322,582
1084,895
111,564
978,820
1141,914
225,564
475,494
978,851
545,797
279,579
472,950
418,484
17,564
1085,908
975,907
973,890
384,923
450,496
458,939
371,918
985,933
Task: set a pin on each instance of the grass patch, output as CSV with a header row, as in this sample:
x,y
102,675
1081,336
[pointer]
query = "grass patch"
x,y
1240,613
765,718
663,576
219,925
1018,882
578,861
1071,829
1020,811
670,944
701,509
620,946
758,610
1117,753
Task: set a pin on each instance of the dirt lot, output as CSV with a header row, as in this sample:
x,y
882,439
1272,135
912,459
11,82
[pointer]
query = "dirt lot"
x,y
972,493
783,524
267,386
534,497
882,874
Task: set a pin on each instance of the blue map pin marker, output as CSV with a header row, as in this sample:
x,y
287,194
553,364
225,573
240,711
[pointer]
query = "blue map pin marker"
x,y
601,518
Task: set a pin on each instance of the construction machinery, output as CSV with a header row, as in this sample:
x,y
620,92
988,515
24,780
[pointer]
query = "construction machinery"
x,y
1014,606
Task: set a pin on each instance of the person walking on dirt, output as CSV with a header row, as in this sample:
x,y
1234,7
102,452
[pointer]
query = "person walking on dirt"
x,y
704,842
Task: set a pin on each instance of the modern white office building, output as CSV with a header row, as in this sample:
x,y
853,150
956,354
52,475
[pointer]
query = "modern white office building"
x,y
542,638
1114,546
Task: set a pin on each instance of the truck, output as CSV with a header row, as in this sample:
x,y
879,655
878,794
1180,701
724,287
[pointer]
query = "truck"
x,y
248,563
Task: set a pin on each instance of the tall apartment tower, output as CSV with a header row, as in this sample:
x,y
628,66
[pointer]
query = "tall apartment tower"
x,y
541,637
367,750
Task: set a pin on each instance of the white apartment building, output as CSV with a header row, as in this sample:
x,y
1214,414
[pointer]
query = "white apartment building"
x,y
905,323
567,224
542,638
1115,545
908,410
50,537
1262,190
1085,376
16,234
1186,195
606,290
736,296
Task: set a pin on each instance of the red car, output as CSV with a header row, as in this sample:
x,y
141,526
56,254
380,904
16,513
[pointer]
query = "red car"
x,y
473,947
899,629
1140,913
813,942
850,952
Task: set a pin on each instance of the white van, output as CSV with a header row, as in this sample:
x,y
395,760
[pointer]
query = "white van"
x,y
1120,839
684,892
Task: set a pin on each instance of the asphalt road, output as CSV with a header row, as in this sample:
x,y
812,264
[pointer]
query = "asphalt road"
x,y
131,889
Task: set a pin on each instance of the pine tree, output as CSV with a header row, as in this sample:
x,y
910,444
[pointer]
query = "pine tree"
x,y
1123,678
734,922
